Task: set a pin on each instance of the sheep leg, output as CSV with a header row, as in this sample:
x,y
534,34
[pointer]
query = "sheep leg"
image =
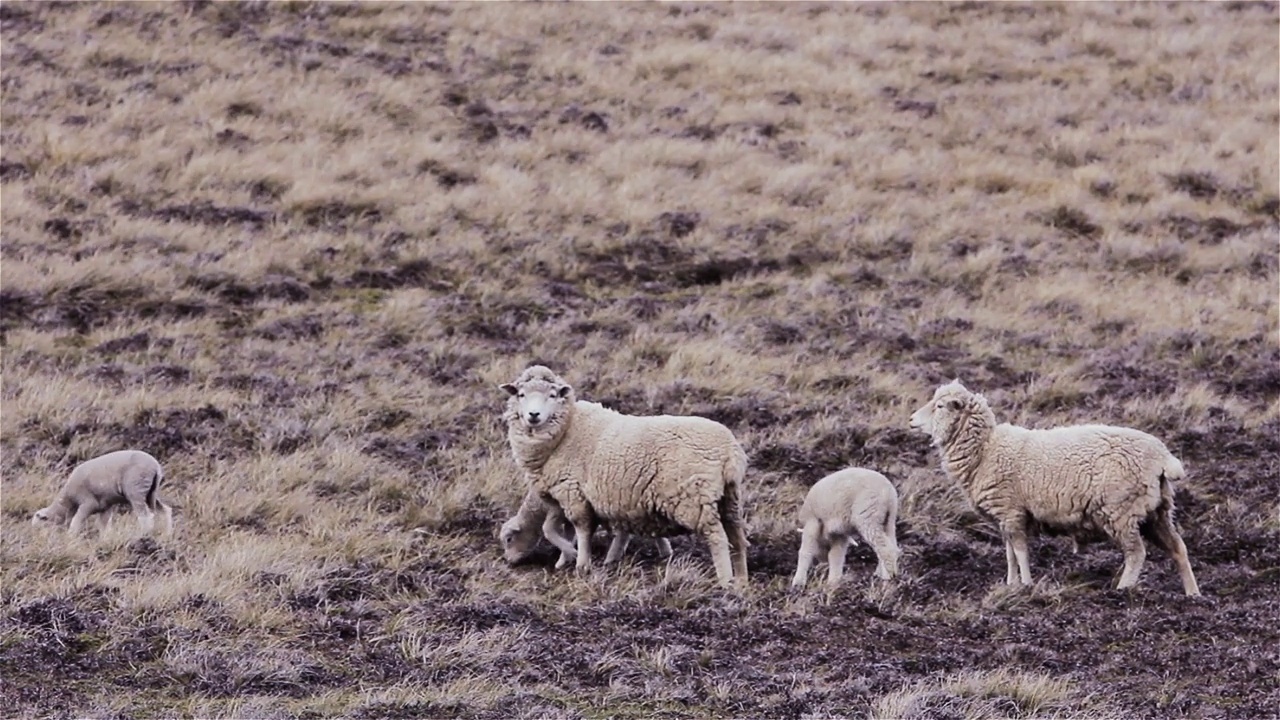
x,y
835,560
1011,564
146,518
886,553
718,542
584,532
1166,535
617,546
82,513
167,513
664,548
809,540
552,530
1135,554
738,552
1015,539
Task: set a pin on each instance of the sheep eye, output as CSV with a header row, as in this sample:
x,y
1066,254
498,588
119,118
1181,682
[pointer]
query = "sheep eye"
x,y
521,396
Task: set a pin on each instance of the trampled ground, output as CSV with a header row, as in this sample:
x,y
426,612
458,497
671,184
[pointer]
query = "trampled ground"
x,y
292,250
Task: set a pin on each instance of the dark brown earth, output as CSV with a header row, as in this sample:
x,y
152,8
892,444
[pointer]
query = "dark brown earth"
x,y
669,652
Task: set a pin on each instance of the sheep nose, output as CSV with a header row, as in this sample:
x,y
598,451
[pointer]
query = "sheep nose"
x,y
533,418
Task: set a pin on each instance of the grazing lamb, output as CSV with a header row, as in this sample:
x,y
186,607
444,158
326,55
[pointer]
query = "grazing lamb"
x,y
519,535
124,476
837,505
658,476
1082,478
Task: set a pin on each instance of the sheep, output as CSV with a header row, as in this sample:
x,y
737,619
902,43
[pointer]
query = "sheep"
x,y
1082,479
124,476
837,505
519,534
649,475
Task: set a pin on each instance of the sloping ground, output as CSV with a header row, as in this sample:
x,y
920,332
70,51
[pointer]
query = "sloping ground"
x,y
292,249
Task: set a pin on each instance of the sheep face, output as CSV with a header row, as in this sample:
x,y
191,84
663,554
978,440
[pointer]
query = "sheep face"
x,y
47,517
518,539
539,403
938,417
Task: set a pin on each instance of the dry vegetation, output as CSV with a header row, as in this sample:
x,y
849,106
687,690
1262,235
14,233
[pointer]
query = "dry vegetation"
x,y
291,250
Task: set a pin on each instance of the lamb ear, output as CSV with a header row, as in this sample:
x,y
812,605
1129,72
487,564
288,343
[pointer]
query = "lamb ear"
x,y
511,389
563,391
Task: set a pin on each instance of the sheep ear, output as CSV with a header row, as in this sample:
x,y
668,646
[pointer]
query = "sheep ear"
x,y
563,391
511,389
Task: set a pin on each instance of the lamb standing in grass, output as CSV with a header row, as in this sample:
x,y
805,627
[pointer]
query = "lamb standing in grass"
x,y
124,476
658,476
837,505
1084,477
519,535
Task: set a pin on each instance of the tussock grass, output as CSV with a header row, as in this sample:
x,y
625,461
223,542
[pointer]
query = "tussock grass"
x,y
292,249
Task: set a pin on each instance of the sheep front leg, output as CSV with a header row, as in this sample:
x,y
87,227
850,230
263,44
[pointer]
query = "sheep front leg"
x,y
1015,538
584,546
617,546
552,529
1011,565
1135,554
82,513
809,540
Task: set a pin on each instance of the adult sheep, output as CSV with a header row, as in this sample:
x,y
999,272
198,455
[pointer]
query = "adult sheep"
x,y
536,518
657,475
1090,478
123,477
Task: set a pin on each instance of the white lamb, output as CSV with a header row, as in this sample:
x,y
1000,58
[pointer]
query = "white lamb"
x,y
124,476
1090,478
837,505
658,476
520,534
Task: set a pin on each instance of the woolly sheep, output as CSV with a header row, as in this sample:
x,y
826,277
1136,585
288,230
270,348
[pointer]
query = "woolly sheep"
x,y
519,535
124,476
837,505
1082,479
656,475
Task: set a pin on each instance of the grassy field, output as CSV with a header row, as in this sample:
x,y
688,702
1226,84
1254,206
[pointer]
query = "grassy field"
x,y
292,250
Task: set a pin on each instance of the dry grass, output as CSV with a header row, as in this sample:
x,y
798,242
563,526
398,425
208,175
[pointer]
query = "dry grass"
x,y
291,249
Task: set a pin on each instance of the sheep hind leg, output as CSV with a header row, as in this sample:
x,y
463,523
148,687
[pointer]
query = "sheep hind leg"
x,y
1015,548
738,553
835,560
809,540
1166,536
1135,554
166,512
664,548
146,518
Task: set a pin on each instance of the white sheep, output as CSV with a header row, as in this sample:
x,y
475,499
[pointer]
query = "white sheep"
x,y
658,475
519,534
1082,478
837,505
96,485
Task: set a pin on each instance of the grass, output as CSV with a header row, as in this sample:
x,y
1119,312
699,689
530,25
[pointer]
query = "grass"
x,y
291,249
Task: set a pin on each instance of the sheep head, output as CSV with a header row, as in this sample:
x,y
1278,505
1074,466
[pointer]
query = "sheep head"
x,y
539,401
49,516
519,537
946,412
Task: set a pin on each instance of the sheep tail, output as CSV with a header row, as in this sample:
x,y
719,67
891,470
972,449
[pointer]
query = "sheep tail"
x,y
152,497
735,470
